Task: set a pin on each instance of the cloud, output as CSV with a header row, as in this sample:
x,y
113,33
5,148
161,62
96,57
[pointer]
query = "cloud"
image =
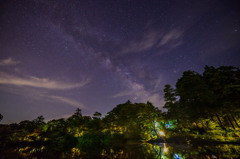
x,y
147,41
137,91
106,62
64,116
134,89
170,37
157,100
32,81
124,93
67,101
155,39
34,94
8,62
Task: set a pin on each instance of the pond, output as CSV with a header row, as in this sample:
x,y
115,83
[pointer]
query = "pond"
x,y
170,151
132,151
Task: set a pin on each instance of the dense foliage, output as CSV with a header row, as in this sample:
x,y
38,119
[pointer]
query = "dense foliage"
x,y
63,138
206,105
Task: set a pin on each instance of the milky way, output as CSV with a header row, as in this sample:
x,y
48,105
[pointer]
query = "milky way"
x,y
60,55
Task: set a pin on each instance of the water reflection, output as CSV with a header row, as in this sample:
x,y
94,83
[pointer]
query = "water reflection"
x,y
169,151
136,151
166,151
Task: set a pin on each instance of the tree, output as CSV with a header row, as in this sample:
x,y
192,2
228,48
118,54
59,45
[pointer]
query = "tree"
x,y
39,120
58,138
78,112
170,94
76,119
134,120
195,96
171,103
224,81
198,97
1,117
97,115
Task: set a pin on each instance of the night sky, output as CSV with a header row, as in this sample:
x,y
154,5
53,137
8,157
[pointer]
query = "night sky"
x,y
56,56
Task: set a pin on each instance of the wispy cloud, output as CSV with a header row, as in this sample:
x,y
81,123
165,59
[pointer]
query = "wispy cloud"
x,y
8,62
64,116
124,93
154,39
34,94
170,37
147,41
157,100
45,83
137,91
67,101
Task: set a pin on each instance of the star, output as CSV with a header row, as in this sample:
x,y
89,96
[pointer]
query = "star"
x,y
56,56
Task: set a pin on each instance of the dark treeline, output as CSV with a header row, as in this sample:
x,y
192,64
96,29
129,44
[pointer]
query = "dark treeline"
x,y
201,108
213,96
62,138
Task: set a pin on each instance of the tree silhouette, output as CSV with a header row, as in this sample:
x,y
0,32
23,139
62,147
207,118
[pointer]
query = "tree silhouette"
x,y
78,112
1,117
97,115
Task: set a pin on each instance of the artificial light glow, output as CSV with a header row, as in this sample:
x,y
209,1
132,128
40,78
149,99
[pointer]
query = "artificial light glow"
x,y
176,156
165,149
168,125
161,133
